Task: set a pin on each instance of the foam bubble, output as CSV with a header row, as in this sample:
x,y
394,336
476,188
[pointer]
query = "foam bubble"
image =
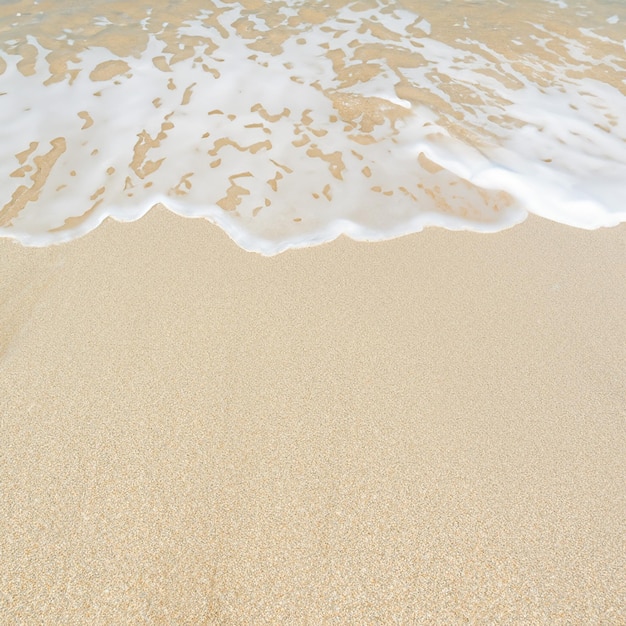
x,y
288,124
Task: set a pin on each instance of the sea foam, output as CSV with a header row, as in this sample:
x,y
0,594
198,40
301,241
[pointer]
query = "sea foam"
x,y
290,123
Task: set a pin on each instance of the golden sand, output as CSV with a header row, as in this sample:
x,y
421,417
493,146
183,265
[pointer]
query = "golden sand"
x,y
423,431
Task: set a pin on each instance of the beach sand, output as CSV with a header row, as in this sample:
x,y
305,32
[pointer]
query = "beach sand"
x,y
423,431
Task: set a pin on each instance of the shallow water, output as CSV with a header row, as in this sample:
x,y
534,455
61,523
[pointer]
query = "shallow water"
x,y
288,123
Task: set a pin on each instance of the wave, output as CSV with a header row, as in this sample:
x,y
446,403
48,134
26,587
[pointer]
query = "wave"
x,y
288,124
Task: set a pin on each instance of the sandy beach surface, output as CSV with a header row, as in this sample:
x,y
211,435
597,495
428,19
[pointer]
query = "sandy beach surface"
x,y
429,430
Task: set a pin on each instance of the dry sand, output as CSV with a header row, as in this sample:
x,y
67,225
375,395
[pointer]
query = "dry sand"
x,y
429,430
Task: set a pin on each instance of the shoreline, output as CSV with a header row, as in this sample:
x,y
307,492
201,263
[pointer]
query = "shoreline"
x,y
427,429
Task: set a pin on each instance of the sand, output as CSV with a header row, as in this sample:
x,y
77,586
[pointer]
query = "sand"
x,y
429,430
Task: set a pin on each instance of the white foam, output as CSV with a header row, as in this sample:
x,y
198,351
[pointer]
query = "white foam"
x,y
286,138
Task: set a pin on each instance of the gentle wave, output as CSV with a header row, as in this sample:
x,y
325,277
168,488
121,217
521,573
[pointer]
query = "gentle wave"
x,y
287,123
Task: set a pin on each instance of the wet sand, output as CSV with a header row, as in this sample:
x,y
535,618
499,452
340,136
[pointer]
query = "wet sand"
x,y
428,430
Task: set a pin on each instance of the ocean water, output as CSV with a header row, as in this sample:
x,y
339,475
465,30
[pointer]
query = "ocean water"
x,y
288,123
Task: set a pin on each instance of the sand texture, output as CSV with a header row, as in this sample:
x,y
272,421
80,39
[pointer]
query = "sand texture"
x,y
425,431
